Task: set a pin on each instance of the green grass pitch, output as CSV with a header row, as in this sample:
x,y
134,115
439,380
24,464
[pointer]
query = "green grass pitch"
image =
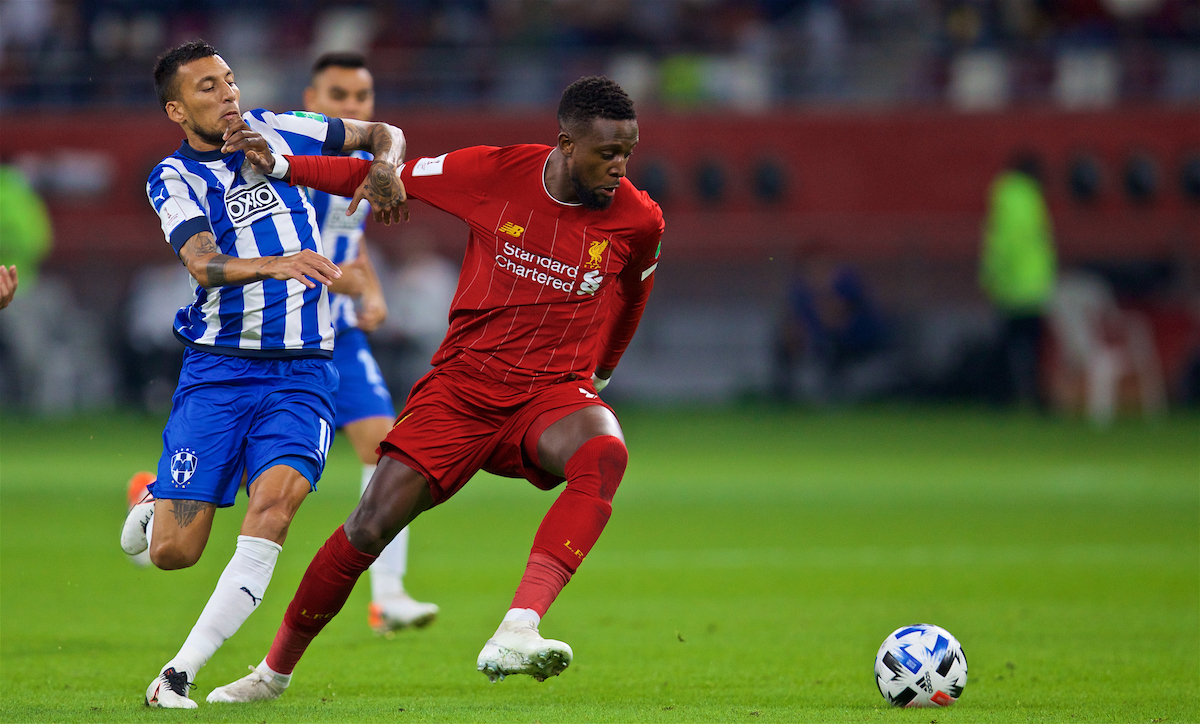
x,y
755,560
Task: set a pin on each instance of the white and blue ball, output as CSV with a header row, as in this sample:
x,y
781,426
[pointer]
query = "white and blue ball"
x,y
919,666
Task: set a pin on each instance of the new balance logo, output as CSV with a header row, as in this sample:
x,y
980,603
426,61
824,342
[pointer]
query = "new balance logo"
x,y
255,599
589,395
512,229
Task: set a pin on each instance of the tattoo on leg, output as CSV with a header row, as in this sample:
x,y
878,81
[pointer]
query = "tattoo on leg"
x,y
186,511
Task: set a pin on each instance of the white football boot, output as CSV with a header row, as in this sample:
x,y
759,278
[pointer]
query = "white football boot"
x,y
141,509
399,612
518,648
259,685
169,690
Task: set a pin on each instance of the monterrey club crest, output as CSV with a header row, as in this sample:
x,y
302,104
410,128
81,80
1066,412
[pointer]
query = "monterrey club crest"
x,y
183,466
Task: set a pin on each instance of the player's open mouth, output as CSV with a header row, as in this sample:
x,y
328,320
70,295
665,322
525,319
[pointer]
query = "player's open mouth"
x,y
607,191
231,116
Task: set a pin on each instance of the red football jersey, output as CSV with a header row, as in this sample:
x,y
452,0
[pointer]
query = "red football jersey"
x,y
547,289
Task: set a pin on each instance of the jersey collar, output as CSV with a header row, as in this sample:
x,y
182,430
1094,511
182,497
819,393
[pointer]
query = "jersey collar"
x,y
187,151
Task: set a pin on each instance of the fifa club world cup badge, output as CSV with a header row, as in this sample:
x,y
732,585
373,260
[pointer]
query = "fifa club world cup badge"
x,y
183,467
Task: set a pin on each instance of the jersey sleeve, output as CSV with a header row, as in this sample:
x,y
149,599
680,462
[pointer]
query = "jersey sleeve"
x,y
630,294
454,182
298,133
178,206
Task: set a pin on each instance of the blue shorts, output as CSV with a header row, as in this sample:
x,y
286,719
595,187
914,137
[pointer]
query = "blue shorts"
x,y
362,392
233,415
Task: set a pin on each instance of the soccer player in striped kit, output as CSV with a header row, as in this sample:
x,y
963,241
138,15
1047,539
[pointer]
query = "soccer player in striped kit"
x,y
342,87
559,265
255,397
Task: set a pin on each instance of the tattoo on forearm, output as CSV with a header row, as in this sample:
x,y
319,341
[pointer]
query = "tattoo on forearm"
x,y
186,511
215,270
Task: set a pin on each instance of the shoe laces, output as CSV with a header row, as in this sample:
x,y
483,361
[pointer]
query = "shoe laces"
x,y
177,681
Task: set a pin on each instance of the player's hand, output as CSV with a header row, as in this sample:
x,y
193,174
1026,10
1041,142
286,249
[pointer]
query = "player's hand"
x,y
372,310
600,379
354,280
304,267
385,191
8,284
240,137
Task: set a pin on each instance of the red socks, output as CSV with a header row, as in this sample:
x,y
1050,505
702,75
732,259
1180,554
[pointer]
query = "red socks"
x,y
573,524
323,591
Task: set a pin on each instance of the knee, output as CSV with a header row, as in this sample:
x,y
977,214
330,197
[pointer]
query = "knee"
x,y
172,557
367,532
598,466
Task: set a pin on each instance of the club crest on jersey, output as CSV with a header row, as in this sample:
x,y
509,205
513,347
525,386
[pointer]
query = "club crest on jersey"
x,y
247,205
183,466
595,251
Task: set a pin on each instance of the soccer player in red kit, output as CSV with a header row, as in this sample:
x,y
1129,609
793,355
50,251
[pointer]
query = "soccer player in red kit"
x,y
560,261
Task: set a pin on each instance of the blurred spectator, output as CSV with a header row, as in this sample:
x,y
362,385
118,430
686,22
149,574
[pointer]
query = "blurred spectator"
x,y
834,342
716,52
54,357
1100,346
1017,272
24,226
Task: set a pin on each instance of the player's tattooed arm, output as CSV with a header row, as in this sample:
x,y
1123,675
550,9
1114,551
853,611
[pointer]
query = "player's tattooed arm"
x,y
210,268
382,187
383,141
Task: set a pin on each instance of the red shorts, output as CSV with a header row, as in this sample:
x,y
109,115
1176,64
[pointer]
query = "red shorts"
x,y
458,421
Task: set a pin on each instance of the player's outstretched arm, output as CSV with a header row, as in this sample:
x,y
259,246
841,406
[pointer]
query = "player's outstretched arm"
x,y
210,268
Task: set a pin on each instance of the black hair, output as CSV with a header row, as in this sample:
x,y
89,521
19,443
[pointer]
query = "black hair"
x,y
593,97
339,59
168,64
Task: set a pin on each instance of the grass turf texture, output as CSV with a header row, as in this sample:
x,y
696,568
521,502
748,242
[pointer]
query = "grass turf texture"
x,y
755,561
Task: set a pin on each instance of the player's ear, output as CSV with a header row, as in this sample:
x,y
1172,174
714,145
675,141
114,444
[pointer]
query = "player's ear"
x,y
310,95
175,111
566,145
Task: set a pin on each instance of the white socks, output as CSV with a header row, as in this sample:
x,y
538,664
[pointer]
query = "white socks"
x,y
387,572
239,591
522,614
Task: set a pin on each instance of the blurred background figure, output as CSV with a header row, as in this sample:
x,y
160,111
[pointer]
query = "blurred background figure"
x,y
877,126
1017,271
1102,346
834,343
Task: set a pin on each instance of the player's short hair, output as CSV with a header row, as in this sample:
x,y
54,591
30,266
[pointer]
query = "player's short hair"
x,y
339,59
593,97
168,65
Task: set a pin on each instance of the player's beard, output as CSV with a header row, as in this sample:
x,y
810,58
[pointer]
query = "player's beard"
x,y
211,136
589,198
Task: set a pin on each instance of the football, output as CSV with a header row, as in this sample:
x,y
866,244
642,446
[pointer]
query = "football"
x,y
921,665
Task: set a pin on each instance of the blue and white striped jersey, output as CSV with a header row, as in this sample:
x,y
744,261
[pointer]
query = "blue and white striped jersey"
x,y
250,215
341,235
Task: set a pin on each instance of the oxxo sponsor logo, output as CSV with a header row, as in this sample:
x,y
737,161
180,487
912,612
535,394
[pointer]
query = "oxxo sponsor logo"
x,y
252,203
